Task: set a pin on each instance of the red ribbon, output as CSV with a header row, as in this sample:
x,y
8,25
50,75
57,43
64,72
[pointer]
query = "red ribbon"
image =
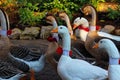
x,y
51,39
87,29
59,51
9,32
83,28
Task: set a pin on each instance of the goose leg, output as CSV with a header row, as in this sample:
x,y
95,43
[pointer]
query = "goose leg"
x,y
32,77
24,78
52,61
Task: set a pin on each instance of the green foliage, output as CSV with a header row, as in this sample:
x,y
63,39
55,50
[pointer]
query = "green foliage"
x,y
62,5
79,2
29,14
95,3
113,14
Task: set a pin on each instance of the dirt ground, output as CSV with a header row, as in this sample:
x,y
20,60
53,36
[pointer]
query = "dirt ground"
x,y
48,73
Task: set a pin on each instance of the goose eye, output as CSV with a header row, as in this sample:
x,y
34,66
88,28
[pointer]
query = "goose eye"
x,y
60,27
101,41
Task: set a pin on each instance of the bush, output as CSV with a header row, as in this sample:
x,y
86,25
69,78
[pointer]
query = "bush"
x,y
29,14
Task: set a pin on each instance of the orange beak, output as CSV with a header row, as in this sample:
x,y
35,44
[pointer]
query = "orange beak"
x,y
55,30
96,45
74,26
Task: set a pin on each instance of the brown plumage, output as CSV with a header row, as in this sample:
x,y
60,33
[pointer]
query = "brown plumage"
x,y
9,65
100,55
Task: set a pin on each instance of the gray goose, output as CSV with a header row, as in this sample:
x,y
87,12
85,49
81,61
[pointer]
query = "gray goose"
x,y
16,54
50,18
9,69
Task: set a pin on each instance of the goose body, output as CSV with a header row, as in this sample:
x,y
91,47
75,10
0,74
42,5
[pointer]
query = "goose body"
x,y
75,69
103,34
16,77
114,57
8,67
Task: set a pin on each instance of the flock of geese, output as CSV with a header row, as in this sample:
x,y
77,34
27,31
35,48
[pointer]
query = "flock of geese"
x,y
17,61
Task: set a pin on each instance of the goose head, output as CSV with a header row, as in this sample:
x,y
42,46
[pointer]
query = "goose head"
x,y
63,16
88,9
80,21
63,30
109,46
51,20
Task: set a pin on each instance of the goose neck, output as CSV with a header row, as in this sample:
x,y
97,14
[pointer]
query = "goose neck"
x,y
66,42
3,33
4,20
113,51
54,24
68,23
66,52
92,28
93,13
114,61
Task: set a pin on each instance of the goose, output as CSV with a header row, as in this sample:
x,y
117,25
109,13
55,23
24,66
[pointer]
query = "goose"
x,y
8,68
89,9
114,57
75,69
91,37
34,61
76,43
17,62
82,30
51,51
51,20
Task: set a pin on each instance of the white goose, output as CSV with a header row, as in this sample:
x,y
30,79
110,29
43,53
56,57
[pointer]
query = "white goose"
x,y
75,69
83,30
114,58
